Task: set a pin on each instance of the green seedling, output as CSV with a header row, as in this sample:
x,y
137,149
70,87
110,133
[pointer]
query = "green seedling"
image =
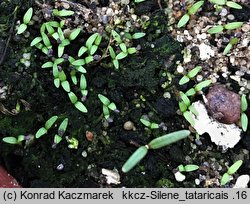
x,y
156,143
244,118
72,143
229,46
26,19
62,13
191,11
14,140
220,28
107,105
79,105
61,130
43,130
187,168
231,170
191,74
149,124
230,4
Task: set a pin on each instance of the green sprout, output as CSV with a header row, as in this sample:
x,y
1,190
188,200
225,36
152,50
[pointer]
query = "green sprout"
x,y
191,74
230,4
243,117
231,170
156,143
107,105
220,28
26,19
43,130
79,105
149,124
229,46
61,130
191,11
62,13
187,168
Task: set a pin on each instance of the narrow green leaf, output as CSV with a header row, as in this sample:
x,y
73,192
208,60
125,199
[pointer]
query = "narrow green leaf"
x,y
60,50
21,28
46,40
93,49
183,21
234,5
225,179
116,36
192,73
60,33
10,140
104,99
168,139
55,70
112,106
72,97
182,106
65,42
190,92
57,139
73,35
202,85
138,35
63,13
81,51
78,62
98,39
218,2
47,65
49,28
215,29
112,52
181,168
58,60
233,25
185,99
116,63
66,86
73,77
154,126
89,59
105,111
188,116
20,138
81,107
193,9
54,24
83,82
27,16
57,82
81,69
91,40
184,80
191,167
244,121
227,49
134,159
42,28
45,50
42,131
50,122
36,41
244,103
123,47
132,50
63,126
145,122
121,55
232,169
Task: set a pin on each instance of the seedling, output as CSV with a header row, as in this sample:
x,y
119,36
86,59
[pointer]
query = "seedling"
x,y
79,105
230,4
43,130
187,168
191,11
107,105
191,74
61,130
229,46
156,143
62,13
26,19
244,118
149,124
220,28
231,170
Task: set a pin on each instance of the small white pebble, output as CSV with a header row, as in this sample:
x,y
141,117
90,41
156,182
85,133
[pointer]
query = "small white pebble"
x,y
179,176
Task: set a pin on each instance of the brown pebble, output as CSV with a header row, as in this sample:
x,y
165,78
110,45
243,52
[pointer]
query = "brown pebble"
x,y
223,105
89,136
